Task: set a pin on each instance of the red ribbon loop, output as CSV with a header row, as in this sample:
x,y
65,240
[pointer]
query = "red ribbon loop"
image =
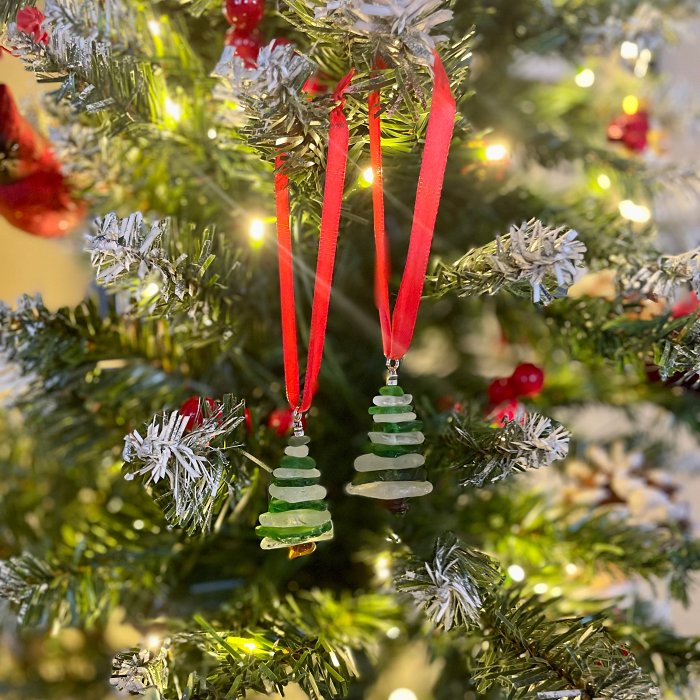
x,y
338,140
397,329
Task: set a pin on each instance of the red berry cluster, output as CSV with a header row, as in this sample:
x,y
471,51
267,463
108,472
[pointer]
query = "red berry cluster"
x,y
244,17
630,130
527,380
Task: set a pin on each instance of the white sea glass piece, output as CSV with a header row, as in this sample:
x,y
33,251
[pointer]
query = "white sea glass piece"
x,y
390,490
392,400
415,437
393,417
286,473
299,451
295,494
269,543
373,463
295,518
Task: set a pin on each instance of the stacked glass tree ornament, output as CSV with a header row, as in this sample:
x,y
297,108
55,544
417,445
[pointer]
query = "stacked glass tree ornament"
x,y
297,515
393,469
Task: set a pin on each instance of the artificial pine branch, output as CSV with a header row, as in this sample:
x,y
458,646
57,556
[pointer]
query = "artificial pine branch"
x,y
530,255
530,652
186,465
485,453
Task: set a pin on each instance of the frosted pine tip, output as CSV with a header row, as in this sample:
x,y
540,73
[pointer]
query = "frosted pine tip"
x,y
397,506
302,550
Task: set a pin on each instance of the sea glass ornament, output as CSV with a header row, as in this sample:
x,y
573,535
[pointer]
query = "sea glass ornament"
x,y
393,469
297,515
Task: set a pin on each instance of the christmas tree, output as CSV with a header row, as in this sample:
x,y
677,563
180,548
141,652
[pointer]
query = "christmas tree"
x,y
524,442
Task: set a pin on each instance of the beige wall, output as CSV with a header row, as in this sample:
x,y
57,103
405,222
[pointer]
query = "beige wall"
x,y
55,268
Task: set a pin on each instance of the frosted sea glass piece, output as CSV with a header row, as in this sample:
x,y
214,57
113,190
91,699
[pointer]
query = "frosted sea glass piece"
x,y
284,473
392,400
393,417
390,490
295,494
300,451
413,438
295,518
373,463
268,543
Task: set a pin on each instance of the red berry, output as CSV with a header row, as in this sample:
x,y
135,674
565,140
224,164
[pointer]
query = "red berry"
x,y
500,390
631,130
281,419
248,420
244,15
506,412
246,46
687,305
527,380
193,408
314,86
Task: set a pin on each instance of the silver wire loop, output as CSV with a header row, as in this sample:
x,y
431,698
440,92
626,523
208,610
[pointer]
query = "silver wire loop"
x,y
392,374
297,423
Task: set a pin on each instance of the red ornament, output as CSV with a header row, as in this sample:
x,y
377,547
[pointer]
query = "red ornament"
x,y
527,380
631,130
687,305
248,420
22,150
244,15
246,46
506,412
193,408
500,390
34,195
29,21
41,204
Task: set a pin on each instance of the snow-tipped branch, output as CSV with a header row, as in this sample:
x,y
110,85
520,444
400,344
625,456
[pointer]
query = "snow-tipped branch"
x,y
486,454
532,255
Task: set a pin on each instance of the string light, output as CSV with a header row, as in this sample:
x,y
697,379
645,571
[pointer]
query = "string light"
x,y
540,588
402,694
634,212
382,567
249,646
642,65
153,641
256,232
496,152
150,290
585,78
630,104
212,133
173,109
603,181
393,632
154,27
571,569
629,50
367,177
517,573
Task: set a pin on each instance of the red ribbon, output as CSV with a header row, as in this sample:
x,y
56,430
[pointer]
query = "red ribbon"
x,y
338,138
397,329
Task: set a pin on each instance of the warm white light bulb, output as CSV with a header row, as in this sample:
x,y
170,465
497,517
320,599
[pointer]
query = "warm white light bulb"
x,y
517,573
571,569
150,290
629,50
173,109
382,567
540,588
402,694
153,641
393,632
585,78
212,133
256,232
367,176
496,152
250,646
603,181
154,27
634,212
